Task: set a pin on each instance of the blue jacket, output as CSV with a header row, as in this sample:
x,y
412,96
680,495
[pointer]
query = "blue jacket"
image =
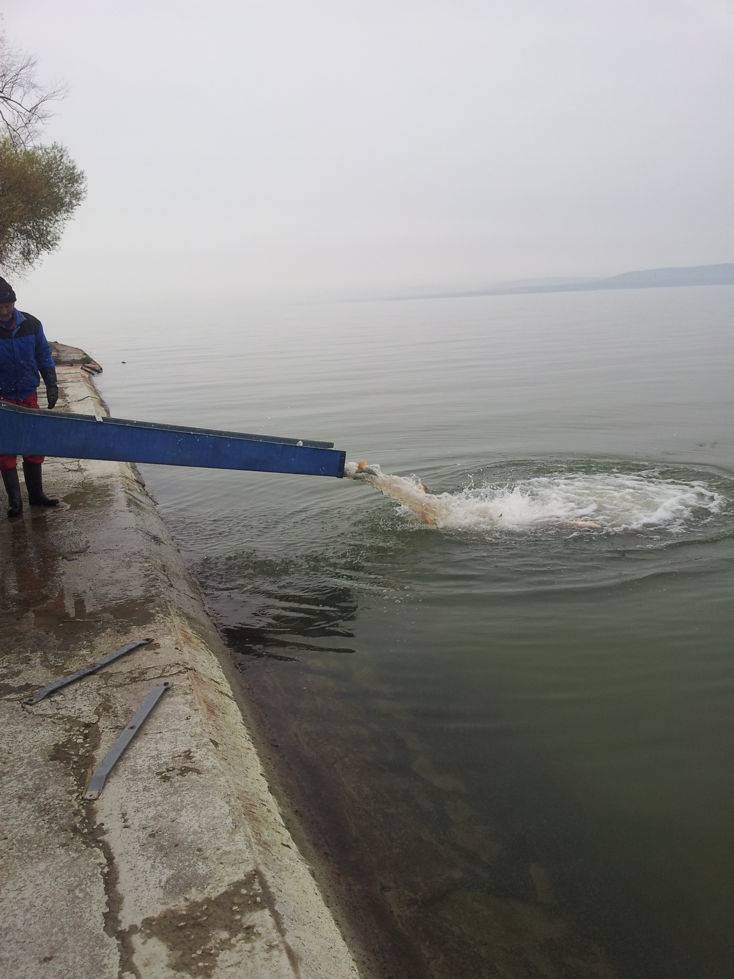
x,y
24,351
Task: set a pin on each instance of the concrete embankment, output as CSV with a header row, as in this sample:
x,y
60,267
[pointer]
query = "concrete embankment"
x,y
183,866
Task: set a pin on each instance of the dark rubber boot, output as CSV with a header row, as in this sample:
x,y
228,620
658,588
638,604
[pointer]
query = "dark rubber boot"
x,y
34,485
12,488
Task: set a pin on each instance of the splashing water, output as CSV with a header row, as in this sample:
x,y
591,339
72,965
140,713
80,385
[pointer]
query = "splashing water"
x,y
611,502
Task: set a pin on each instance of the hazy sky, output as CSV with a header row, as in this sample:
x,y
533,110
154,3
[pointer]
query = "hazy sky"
x,y
257,149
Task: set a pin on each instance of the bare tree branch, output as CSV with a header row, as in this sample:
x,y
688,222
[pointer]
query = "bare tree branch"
x,y
24,105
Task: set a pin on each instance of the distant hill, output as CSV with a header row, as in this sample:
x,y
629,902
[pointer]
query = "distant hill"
x,y
687,275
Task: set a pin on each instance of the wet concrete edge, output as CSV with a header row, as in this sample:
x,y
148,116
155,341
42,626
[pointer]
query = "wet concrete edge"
x,y
183,867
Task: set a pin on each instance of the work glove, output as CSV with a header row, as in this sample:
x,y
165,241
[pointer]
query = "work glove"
x,y
52,387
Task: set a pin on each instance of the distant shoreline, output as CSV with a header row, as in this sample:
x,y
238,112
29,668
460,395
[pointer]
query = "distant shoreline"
x,y
662,278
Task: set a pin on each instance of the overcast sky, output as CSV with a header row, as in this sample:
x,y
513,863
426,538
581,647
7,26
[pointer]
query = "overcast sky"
x,y
334,148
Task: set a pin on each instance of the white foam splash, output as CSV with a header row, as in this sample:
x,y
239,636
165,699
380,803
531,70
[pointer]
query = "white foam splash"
x,y
611,502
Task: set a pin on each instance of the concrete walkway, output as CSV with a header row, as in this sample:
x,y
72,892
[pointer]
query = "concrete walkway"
x,y
183,866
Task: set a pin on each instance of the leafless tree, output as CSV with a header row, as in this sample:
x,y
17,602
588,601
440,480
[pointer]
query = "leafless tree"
x,y
24,104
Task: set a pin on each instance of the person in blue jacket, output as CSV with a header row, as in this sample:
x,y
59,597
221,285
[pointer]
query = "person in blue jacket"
x,y
25,357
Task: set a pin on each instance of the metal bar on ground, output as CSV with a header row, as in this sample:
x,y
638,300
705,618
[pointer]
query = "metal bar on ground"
x,y
99,777
64,681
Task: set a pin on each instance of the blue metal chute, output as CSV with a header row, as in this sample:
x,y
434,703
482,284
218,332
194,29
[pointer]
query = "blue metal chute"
x,y
29,431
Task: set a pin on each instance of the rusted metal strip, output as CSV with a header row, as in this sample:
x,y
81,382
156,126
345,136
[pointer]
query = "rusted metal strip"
x,y
99,777
64,681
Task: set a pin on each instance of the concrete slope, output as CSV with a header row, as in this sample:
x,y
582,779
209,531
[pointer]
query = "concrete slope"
x,y
183,866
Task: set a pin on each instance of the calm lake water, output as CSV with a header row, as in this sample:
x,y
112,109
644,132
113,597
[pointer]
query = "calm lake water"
x,y
507,741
